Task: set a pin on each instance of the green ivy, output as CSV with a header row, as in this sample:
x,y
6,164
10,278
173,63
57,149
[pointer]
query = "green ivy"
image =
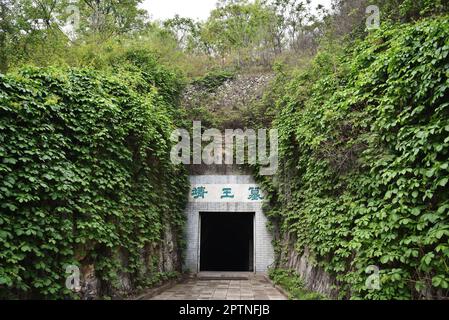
x,y
364,170
85,177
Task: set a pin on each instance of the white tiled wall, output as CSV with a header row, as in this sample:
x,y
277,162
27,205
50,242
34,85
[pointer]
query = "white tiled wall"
x,y
264,254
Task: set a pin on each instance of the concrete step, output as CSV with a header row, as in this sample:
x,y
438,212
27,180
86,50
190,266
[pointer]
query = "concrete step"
x,y
225,275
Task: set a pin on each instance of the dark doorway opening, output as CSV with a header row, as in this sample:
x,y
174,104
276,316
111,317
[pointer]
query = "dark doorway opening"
x,y
227,241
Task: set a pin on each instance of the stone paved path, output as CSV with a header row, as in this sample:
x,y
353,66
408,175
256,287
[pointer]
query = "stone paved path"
x,y
257,288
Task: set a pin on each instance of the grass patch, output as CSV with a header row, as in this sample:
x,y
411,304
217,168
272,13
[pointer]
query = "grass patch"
x,y
292,283
214,79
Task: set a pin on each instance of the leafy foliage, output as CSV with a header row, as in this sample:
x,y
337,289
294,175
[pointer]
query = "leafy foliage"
x,y
212,80
364,136
84,171
85,175
290,281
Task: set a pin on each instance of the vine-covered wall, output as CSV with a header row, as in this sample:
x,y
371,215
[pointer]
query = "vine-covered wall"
x,y
364,148
86,180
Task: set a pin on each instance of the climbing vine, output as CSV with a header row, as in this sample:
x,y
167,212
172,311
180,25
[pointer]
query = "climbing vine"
x,y
364,140
85,178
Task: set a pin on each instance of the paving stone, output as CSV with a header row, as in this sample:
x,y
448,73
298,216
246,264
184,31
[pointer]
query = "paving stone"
x,y
259,289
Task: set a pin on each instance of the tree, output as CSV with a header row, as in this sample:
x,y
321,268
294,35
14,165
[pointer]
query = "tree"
x,y
106,18
27,26
295,27
188,34
6,27
237,25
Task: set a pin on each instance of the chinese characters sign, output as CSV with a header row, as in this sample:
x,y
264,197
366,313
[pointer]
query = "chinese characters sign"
x,y
226,193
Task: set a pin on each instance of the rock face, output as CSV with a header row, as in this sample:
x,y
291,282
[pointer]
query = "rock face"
x,y
233,93
228,101
314,277
162,257
89,282
169,254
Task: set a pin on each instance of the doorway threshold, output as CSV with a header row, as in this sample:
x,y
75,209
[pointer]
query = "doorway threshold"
x,y
218,275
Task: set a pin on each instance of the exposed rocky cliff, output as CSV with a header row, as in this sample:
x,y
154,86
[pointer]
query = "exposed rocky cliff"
x,y
226,98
